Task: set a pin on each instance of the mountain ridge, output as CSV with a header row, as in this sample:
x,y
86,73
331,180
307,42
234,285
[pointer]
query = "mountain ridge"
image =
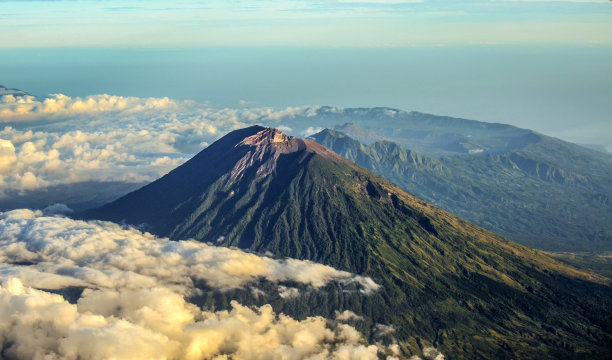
x,y
524,194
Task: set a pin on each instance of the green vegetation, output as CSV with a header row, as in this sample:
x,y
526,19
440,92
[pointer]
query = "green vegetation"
x,y
445,282
549,195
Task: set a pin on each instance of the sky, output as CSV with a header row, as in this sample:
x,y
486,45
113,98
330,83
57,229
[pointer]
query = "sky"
x,y
542,65
331,23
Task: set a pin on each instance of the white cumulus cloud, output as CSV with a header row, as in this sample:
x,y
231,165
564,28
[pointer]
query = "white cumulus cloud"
x,y
26,107
7,154
99,254
134,305
159,324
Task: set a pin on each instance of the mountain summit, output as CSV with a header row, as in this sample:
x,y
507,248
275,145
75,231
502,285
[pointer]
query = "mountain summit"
x,y
235,168
267,136
268,145
444,281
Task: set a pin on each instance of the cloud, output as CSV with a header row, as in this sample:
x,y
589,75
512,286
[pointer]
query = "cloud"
x,y
288,292
29,181
26,107
80,250
382,330
429,353
158,324
29,160
347,315
57,209
7,155
133,304
311,130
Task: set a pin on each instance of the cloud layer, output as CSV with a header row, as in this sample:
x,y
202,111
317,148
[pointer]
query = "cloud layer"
x,y
62,252
26,107
133,305
158,324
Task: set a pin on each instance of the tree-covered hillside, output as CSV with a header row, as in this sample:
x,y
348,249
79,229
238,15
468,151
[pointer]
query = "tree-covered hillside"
x,y
549,195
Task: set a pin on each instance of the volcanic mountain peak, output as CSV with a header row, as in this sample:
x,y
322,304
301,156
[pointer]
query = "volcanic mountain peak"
x,y
269,143
263,148
266,136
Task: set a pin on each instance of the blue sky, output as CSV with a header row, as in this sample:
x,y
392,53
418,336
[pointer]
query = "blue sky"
x,y
340,23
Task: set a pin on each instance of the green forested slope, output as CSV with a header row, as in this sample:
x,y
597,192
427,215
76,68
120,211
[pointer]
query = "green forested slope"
x,y
550,195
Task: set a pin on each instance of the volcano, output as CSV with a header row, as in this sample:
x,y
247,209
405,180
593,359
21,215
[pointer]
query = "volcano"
x,y
469,292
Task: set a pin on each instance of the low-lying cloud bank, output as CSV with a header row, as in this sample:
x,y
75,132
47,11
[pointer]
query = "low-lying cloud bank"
x,y
59,252
134,307
28,108
159,324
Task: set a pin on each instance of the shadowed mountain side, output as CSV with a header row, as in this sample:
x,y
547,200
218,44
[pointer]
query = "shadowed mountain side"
x,y
443,281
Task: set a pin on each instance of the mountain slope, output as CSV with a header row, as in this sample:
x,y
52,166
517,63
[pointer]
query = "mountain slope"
x,y
550,195
443,281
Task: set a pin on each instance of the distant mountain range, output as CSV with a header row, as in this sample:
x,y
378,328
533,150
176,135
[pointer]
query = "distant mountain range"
x,y
549,194
427,134
600,148
9,91
444,281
